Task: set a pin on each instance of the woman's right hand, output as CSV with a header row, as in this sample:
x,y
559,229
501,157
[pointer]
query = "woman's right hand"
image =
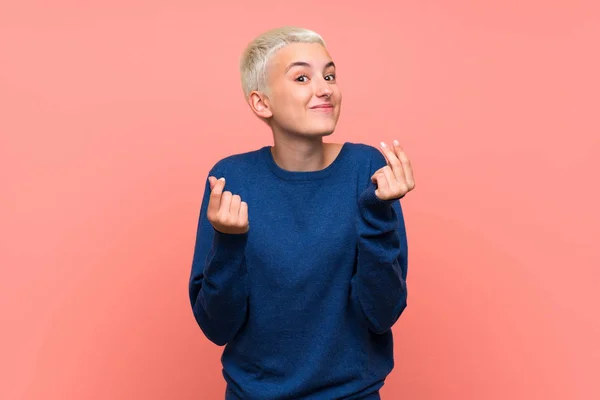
x,y
226,212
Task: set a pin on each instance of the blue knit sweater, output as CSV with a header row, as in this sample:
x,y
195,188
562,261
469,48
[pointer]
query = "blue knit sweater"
x,y
305,301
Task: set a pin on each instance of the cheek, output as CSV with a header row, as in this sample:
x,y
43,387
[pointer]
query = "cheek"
x,y
297,102
291,102
338,94
303,96
290,98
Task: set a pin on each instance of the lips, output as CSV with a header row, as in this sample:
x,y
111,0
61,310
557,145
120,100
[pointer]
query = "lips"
x,y
323,106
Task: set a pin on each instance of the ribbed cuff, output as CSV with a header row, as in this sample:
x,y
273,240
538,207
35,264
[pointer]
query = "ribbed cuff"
x,y
231,241
369,199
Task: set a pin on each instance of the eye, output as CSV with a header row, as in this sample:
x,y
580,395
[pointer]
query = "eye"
x,y
302,78
330,77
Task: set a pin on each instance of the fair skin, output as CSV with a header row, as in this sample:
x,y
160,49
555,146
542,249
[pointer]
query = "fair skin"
x,y
302,105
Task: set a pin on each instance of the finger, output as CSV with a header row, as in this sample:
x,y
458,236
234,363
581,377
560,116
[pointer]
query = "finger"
x,y
400,172
382,184
225,204
392,183
212,180
392,160
243,215
218,188
214,204
234,209
406,165
389,175
373,177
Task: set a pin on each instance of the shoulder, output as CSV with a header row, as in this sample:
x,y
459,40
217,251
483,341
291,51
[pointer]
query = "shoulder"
x,y
366,154
235,163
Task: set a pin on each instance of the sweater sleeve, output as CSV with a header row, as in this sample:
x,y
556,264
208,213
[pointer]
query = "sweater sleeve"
x,y
218,286
378,288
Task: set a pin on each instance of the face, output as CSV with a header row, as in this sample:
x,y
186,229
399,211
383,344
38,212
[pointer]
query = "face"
x,y
303,96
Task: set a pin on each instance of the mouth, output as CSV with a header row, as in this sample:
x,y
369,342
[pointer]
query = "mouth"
x,y
322,107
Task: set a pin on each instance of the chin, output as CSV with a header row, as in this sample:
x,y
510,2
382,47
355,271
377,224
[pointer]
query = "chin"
x,y
321,131
323,128
313,128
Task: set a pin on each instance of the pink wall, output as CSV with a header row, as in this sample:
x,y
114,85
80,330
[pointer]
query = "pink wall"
x,y
111,115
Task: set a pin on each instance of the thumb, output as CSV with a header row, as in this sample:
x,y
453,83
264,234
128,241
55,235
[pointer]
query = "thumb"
x,y
375,176
212,180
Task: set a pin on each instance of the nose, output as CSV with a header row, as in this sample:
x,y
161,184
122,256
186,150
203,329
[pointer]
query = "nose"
x,y
323,88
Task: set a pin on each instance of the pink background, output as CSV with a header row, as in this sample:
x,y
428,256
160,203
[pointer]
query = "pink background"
x,y
112,113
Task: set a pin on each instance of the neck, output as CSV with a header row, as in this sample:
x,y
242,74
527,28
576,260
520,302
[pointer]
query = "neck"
x,y
297,153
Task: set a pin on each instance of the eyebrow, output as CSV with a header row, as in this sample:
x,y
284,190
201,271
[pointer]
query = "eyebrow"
x,y
305,64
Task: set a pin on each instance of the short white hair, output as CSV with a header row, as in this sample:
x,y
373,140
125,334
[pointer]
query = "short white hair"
x,y
256,56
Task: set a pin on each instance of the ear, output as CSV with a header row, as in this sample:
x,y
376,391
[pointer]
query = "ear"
x,y
259,103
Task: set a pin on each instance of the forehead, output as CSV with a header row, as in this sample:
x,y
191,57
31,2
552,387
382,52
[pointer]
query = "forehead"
x,y
313,53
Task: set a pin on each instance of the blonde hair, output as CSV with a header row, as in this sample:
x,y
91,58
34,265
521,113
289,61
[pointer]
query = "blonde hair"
x,y
256,56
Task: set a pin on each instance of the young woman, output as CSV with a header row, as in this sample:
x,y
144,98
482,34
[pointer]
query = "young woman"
x,y
300,262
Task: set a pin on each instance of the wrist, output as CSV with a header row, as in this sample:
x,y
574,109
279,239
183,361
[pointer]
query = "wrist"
x,y
231,240
369,199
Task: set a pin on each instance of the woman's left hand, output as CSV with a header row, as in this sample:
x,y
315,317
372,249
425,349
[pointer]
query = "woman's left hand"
x,y
396,178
